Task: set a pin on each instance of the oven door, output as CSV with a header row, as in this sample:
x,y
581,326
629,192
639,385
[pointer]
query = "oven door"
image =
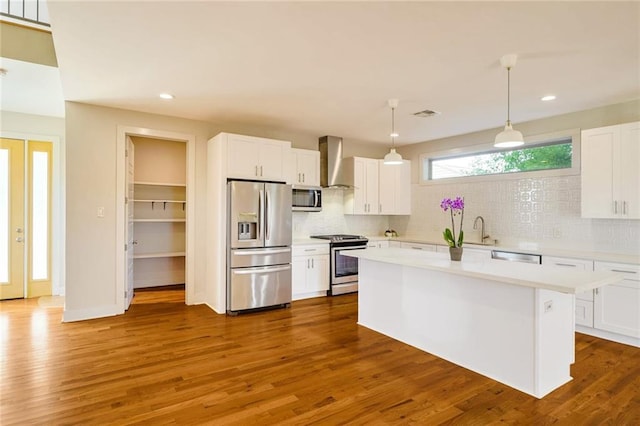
x,y
344,269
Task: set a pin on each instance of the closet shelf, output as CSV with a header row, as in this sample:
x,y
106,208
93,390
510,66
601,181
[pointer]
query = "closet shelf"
x,y
160,183
163,202
159,220
159,201
159,255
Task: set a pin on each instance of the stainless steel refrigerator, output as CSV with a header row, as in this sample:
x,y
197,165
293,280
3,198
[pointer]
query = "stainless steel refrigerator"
x,y
259,245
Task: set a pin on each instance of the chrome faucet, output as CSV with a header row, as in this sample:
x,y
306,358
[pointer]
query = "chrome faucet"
x,y
475,226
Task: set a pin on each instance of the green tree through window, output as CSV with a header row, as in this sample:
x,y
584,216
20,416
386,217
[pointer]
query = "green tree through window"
x,y
547,156
523,160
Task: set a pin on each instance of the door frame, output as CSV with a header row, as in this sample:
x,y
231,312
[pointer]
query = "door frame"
x,y
58,201
121,220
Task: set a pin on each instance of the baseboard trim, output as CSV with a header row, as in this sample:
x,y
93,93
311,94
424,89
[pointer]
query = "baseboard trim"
x,y
71,315
619,338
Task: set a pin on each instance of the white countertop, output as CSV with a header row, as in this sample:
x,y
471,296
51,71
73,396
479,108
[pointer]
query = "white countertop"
x,y
522,274
528,249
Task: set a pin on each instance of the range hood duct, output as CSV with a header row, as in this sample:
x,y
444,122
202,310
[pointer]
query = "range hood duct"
x,y
331,162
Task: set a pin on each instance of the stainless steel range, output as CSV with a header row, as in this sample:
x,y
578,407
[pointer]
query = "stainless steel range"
x,y
344,269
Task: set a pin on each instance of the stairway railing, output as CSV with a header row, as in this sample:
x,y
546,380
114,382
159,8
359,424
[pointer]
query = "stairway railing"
x,y
31,11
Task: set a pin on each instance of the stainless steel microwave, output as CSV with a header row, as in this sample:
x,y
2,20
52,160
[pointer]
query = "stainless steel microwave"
x,y
306,199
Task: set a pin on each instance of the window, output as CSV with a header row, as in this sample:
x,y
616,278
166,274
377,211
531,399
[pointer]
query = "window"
x,y
541,155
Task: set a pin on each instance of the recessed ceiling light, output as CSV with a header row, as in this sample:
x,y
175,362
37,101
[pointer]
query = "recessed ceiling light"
x,y
548,98
166,96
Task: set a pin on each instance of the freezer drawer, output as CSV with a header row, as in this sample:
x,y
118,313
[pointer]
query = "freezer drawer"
x,y
250,288
245,258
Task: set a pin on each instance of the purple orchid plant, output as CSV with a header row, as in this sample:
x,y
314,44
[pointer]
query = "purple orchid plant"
x,y
455,207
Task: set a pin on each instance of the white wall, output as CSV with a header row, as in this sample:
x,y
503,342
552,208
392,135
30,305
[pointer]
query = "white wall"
x,y
91,260
545,211
91,183
52,129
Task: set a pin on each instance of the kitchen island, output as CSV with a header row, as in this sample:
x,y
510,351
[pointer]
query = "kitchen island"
x,y
511,322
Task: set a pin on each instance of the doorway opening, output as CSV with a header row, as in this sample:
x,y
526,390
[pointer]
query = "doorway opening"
x,y
159,203
156,182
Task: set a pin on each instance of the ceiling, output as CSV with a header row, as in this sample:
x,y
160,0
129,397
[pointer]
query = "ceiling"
x,y
330,67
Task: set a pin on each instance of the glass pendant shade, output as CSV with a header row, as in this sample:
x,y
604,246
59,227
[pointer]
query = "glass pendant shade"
x,y
508,138
392,157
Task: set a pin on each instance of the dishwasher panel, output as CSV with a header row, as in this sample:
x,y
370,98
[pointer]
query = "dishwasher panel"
x,y
516,257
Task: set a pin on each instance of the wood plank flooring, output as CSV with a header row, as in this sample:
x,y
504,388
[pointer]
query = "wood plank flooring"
x,y
167,363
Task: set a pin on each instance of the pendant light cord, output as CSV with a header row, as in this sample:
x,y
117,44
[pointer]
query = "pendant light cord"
x,y
508,94
393,127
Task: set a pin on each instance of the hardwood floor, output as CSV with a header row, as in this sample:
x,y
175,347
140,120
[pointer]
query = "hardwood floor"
x,y
167,363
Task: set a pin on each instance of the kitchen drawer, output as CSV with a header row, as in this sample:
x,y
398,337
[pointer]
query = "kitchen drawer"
x,y
309,249
630,272
418,246
395,244
567,263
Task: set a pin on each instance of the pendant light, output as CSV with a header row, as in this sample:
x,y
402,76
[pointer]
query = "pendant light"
x,y
508,137
393,158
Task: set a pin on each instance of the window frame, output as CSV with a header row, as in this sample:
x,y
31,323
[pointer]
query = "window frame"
x,y
534,140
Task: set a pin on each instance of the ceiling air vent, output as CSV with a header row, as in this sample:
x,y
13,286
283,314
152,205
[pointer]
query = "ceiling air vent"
x,y
426,113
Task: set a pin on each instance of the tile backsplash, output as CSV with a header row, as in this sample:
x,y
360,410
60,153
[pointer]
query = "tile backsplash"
x,y
542,211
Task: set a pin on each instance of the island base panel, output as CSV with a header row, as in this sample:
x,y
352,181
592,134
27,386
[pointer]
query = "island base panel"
x,y
519,336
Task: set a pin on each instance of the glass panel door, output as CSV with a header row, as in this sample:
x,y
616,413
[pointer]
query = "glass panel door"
x,y
11,219
17,242
39,249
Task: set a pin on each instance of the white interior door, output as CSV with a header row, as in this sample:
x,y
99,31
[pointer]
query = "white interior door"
x,y
129,228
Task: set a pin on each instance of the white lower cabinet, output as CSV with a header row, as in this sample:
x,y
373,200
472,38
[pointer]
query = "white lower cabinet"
x,y
310,271
616,307
469,253
395,244
584,301
419,246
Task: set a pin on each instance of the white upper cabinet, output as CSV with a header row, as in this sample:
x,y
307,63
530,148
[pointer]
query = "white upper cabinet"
x,y
394,190
610,173
362,175
303,167
250,157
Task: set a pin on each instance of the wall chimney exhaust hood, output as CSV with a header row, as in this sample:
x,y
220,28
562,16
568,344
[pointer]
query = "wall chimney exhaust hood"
x,y
331,162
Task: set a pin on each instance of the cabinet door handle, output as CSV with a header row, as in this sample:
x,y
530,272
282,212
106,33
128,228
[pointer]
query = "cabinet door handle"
x,y
597,292
313,263
260,171
615,207
303,178
622,271
256,170
379,208
624,207
566,264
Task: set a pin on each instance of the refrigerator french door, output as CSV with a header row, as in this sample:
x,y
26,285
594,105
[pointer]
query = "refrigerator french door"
x,y
259,241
